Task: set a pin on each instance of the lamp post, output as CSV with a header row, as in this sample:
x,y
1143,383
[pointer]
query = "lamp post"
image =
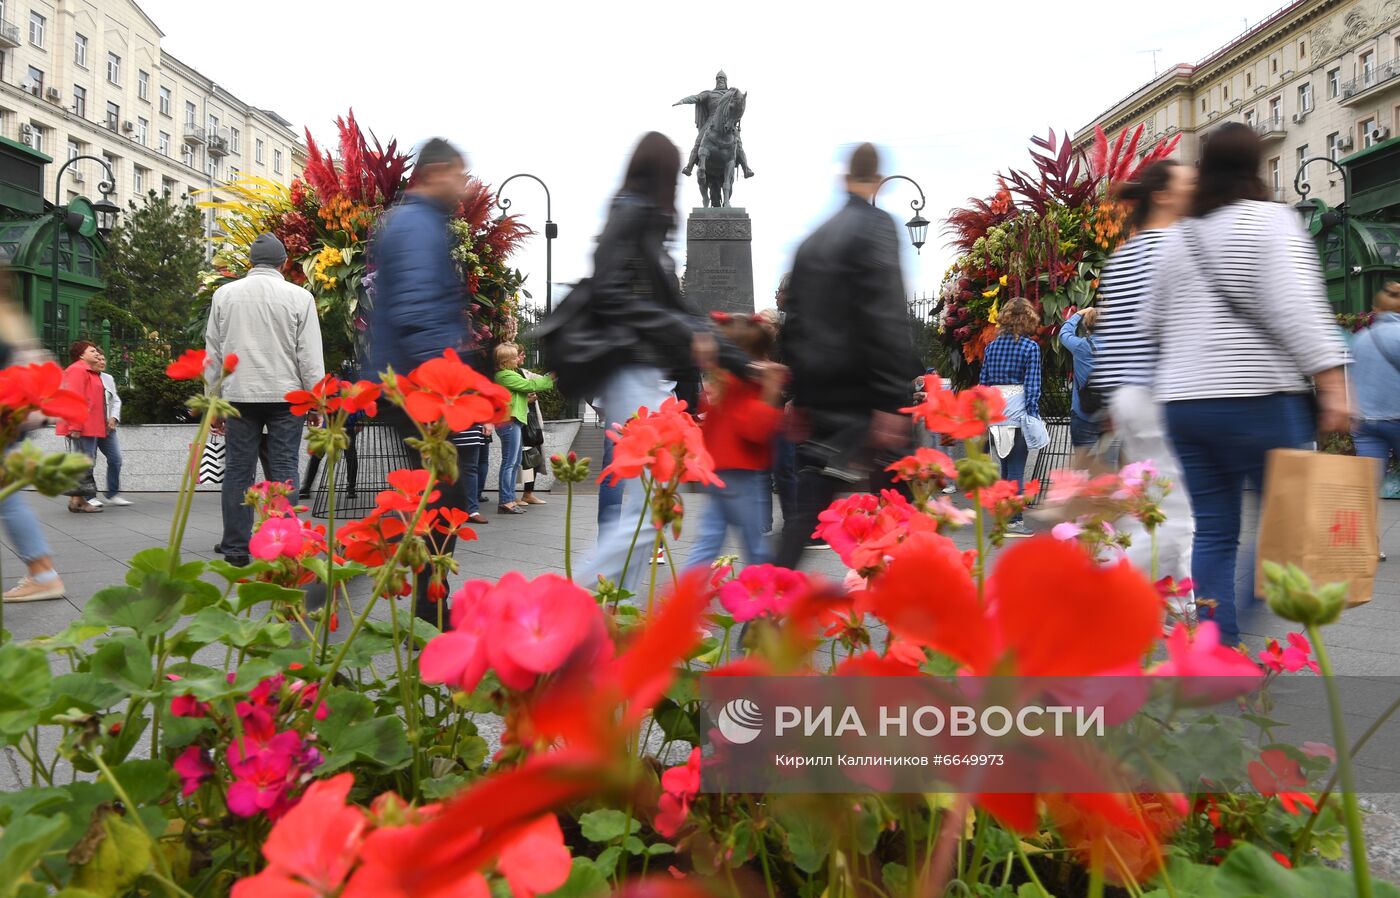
x,y
551,230
918,225
104,218
1301,185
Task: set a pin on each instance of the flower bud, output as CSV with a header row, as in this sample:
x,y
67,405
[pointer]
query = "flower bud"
x,y
1292,596
977,472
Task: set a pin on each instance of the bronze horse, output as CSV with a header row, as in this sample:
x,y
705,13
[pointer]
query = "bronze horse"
x,y
719,150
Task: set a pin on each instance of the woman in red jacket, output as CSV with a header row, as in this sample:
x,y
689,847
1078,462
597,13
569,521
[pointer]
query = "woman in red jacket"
x,y
740,419
84,378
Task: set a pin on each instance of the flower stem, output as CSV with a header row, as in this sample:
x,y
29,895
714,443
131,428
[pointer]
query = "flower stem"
x,y
641,519
329,606
569,530
1356,837
133,807
1026,865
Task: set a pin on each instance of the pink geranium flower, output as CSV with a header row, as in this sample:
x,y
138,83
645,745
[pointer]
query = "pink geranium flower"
x,y
1209,671
277,537
762,589
679,786
1292,659
193,767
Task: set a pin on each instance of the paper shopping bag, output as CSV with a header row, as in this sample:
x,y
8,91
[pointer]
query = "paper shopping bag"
x,y
1320,512
211,461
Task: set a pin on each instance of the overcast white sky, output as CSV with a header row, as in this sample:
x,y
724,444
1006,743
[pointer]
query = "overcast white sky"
x,y
950,91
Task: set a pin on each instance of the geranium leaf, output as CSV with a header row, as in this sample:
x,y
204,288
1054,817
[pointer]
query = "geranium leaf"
x,y
352,732
585,880
22,844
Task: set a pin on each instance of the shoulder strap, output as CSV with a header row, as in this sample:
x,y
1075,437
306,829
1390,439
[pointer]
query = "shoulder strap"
x,y
1213,284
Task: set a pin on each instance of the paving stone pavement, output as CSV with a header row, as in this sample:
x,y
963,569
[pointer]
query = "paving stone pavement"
x,y
91,551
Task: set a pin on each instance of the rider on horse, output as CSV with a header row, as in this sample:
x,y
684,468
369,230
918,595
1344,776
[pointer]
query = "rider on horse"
x,y
705,104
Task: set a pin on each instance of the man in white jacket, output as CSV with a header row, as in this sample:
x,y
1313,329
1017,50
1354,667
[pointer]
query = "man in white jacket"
x,y
109,447
272,327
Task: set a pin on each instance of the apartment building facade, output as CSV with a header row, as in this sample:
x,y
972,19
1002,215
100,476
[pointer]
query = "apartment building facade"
x,y
89,77
1316,78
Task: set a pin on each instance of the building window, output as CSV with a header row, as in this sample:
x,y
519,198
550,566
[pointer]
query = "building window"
x,y
1249,117
1225,93
1276,110
165,102
258,151
80,44
187,155
1203,104
211,166
1305,98
213,126
35,82
163,143
1302,49
277,161
37,25
1248,79
112,166
80,101
233,173
1368,66
1273,65
37,140
1302,156
1334,83
143,85
75,149
189,114
138,180
1334,145
1276,177
1367,128
235,141
114,116
143,131
168,187
114,68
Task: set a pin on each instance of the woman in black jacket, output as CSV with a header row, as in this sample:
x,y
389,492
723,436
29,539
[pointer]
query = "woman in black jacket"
x,y
636,307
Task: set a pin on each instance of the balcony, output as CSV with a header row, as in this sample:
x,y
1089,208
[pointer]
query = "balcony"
x,y
218,142
194,135
1370,83
1270,128
9,35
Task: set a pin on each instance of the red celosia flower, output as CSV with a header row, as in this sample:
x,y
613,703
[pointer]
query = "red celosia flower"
x,y
276,538
189,366
959,416
928,596
924,465
762,589
24,388
448,389
679,786
193,767
324,397
1276,774
536,860
666,443
312,849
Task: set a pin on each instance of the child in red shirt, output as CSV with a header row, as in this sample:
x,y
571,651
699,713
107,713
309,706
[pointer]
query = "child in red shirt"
x,y
740,417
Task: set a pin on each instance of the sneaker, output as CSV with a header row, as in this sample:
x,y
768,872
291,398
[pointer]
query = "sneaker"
x,y
30,590
118,499
660,556
1018,530
95,502
950,489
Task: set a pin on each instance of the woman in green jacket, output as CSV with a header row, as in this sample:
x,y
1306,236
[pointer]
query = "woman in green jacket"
x,y
508,375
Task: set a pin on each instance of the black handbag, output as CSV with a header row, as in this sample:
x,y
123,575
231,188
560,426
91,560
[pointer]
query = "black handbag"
x,y
532,431
576,343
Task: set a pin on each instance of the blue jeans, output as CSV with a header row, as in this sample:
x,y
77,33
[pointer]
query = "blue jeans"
x,y
1377,439
783,479
112,451
739,505
242,436
22,528
1013,466
609,496
1221,444
510,459
1083,431
625,391
86,486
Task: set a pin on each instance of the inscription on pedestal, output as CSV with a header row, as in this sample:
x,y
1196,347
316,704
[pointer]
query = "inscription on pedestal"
x,y
719,260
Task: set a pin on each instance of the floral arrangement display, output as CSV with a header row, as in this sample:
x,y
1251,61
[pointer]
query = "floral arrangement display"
x,y
1043,235
199,731
325,218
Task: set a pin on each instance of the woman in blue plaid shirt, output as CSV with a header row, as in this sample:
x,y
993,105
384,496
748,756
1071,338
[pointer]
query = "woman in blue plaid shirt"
x,y
1012,362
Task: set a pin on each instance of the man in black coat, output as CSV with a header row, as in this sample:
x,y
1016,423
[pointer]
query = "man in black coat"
x,y
846,339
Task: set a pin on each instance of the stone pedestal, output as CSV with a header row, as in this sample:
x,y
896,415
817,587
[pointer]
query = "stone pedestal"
x,y
719,261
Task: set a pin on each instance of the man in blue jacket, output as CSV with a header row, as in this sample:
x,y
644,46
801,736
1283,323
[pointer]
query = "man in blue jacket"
x,y
420,302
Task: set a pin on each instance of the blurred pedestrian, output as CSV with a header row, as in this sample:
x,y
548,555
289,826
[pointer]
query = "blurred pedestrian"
x,y
83,377
508,375
1127,359
24,535
1375,376
846,340
739,420
1011,362
109,446
421,303
273,328
531,437
1077,336
1238,307
784,473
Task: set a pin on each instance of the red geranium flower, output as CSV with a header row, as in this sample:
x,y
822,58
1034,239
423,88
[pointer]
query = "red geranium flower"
x,y
667,443
924,465
189,366
24,388
312,848
361,396
959,416
1275,773
448,389
230,362
407,491
322,397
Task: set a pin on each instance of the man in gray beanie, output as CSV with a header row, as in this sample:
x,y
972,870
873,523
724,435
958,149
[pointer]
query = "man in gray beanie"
x,y
272,327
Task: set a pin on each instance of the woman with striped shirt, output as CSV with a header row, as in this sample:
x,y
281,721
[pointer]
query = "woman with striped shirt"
x,y
1241,317
1127,357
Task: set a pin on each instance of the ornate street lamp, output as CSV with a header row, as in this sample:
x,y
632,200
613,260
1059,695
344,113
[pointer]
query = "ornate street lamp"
x,y
918,225
551,230
79,217
1338,216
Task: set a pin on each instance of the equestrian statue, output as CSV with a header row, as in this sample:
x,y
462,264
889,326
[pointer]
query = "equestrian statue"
x,y
718,145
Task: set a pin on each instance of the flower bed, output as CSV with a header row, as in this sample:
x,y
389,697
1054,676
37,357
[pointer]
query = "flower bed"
x,y
226,744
